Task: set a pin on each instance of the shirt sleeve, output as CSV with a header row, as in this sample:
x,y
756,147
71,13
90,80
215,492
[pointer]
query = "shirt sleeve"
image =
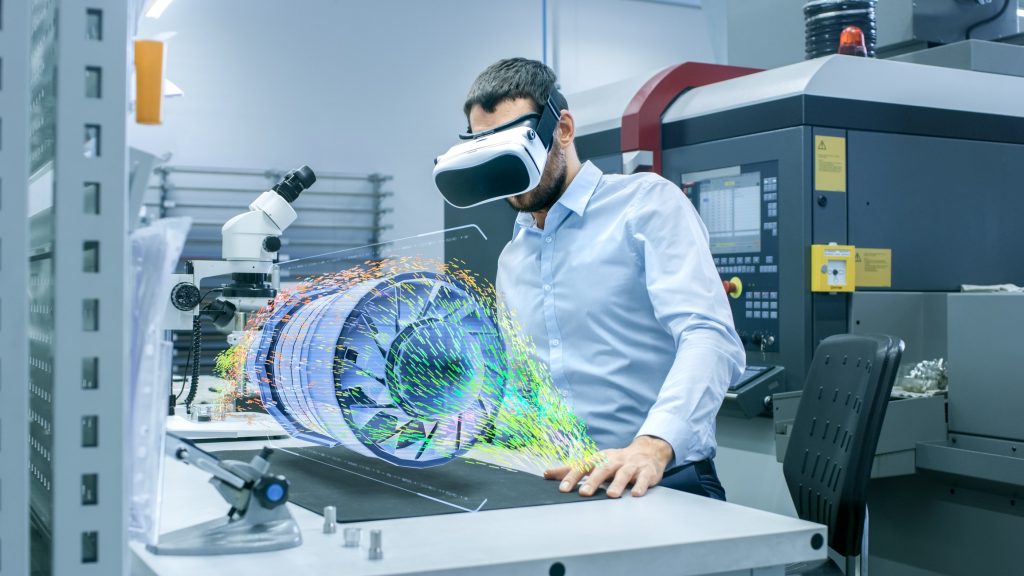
x,y
689,302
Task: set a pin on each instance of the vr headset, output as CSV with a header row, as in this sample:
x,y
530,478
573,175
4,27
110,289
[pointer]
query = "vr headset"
x,y
504,161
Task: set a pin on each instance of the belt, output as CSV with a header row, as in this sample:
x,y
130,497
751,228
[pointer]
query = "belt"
x,y
703,467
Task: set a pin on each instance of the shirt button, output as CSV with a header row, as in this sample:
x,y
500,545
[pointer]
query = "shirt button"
x,y
556,342
547,287
548,239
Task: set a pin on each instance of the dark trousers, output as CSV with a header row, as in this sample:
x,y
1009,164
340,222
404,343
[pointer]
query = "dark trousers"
x,y
698,478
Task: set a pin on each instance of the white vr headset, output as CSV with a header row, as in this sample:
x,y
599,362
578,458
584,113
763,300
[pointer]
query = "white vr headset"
x,y
504,161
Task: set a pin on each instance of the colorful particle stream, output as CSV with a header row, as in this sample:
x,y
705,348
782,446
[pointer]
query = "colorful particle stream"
x,y
408,360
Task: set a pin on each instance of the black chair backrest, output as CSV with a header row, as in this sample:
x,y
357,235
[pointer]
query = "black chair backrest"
x,y
835,433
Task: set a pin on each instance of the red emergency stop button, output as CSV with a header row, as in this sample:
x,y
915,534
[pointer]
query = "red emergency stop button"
x,y
733,287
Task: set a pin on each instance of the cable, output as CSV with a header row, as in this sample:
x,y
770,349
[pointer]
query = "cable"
x,y
188,363
993,18
197,343
184,376
196,353
208,292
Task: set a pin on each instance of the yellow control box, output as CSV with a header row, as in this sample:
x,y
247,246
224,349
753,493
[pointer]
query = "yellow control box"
x,y
833,268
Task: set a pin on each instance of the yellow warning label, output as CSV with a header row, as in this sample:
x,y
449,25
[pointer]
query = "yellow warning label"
x,y
830,163
874,268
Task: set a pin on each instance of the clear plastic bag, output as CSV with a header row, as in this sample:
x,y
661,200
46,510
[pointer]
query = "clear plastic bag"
x,y
154,254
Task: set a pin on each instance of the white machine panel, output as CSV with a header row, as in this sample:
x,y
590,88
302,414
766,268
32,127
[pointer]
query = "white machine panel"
x,y
866,79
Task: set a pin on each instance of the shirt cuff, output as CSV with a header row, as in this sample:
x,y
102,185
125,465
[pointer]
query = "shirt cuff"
x,y
681,437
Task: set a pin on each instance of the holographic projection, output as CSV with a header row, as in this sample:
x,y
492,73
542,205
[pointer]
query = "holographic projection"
x,y
409,361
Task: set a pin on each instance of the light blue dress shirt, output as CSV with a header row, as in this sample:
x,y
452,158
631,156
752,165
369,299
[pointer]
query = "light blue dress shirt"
x,y
621,297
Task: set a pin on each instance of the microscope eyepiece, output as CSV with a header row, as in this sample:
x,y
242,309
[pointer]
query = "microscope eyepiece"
x,y
295,182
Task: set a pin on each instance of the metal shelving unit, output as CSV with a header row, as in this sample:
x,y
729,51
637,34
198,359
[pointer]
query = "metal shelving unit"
x,y
64,366
340,211
15,149
78,329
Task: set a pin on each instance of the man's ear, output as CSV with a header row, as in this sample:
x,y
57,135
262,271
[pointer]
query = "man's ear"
x,y
565,132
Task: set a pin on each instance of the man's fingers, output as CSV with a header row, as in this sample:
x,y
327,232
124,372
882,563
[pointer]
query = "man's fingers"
x,y
556,473
570,480
644,479
597,476
622,479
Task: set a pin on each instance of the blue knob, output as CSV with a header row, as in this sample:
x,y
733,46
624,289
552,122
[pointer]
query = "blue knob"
x,y
275,492
272,491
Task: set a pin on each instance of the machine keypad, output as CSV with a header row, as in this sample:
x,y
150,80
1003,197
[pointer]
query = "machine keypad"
x,y
761,305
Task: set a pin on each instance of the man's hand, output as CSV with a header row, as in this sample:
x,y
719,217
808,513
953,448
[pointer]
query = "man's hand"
x,y
641,464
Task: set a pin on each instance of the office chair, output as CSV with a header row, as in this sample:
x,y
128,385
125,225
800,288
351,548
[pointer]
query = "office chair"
x,y
833,441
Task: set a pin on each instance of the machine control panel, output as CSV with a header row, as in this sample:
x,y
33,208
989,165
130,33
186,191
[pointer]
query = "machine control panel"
x,y
739,207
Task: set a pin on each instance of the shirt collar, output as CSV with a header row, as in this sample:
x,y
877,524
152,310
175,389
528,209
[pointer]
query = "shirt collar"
x,y
523,220
577,195
575,198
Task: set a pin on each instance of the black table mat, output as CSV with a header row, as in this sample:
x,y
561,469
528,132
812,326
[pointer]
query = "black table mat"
x,y
365,489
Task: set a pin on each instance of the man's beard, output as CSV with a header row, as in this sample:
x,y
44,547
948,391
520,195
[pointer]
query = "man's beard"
x,y
550,187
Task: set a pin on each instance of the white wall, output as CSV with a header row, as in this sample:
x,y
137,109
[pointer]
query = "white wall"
x,y
765,33
602,41
377,86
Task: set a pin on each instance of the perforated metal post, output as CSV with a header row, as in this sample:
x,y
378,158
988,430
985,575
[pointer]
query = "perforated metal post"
x,y
15,46
81,294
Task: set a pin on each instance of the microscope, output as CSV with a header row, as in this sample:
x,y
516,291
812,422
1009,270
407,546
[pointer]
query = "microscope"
x,y
258,519
249,255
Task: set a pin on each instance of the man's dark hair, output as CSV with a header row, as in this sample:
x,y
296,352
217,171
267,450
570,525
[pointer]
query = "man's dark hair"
x,y
513,78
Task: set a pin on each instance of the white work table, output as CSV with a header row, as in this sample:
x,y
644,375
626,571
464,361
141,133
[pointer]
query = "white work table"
x,y
665,532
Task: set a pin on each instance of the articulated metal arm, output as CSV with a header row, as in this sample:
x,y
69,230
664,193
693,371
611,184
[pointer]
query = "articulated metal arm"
x,y
186,451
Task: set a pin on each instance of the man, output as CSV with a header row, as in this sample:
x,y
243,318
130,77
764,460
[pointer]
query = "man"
x,y
612,278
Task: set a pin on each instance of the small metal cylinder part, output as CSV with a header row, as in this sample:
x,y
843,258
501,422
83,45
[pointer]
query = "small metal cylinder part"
x,y
204,413
330,520
376,552
352,536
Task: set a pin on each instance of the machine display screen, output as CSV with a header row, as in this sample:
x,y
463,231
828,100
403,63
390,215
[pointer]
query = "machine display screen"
x,y
730,207
739,206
